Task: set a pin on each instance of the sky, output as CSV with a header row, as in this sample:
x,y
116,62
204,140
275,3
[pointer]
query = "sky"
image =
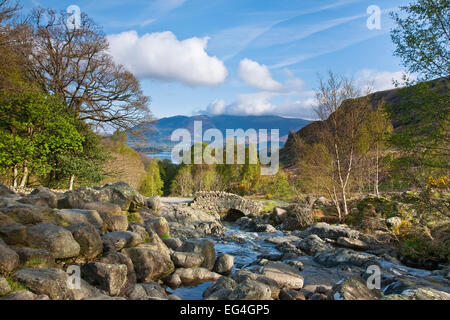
x,y
244,57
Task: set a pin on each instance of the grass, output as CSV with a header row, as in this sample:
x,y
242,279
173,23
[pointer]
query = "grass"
x,y
165,236
135,217
35,262
15,285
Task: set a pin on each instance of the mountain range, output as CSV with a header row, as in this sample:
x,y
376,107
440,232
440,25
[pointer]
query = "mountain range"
x,y
156,137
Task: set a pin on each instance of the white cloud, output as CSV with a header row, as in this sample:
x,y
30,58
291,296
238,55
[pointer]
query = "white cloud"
x,y
258,76
379,80
162,56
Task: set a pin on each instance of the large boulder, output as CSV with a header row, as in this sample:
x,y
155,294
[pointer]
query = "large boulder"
x,y
41,196
224,264
224,283
9,260
354,244
121,194
354,288
251,290
31,215
77,216
160,226
14,234
55,239
111,278
35,258
113,257
279,214
298,218
154,203
313,244
333,232
88,238
24,295
154,242
187,259
51,282
148,264
194,276
121,239
203,247
104,209
116,223
285,276
335,257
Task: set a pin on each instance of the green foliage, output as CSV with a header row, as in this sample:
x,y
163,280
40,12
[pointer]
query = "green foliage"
x,y
422,37
168,171
422,135
277,186
15,285
152,184
34,127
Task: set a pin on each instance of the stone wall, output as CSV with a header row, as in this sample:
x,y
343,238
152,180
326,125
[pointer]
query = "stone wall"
x,y
222,202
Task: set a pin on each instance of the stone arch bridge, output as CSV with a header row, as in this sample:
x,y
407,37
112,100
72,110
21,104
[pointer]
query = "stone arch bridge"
x,y
229,206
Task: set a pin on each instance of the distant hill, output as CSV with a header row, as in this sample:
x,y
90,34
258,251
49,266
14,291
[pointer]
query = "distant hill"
x,y
311,132
157,136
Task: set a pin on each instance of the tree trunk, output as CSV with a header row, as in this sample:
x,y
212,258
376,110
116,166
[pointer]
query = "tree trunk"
x,y
15,174
23,183
344,202
72,180
377,173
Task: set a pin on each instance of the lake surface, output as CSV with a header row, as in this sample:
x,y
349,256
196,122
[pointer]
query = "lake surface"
x,y
161,155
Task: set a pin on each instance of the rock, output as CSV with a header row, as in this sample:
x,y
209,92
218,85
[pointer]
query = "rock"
x,y
423,294
6,220
326,231
203,247
295,263
266,228
335,257
351,244
194,276
148,264
119,193
279,214
289,250
78,216
322,201
88,238
154,242
224,264
187,259
313,244
285,276
286,294
30,215
4,286
393,222
24,295
219,295
224,283
137,293
55,239
251,290
35,258
5,191
86,291
109,277
41,196
354,288
116,223
299,217
282,239
173,243
14,234
51,282
318,297
154,203
246,223
154,291
118,240
9,260
113,257
104,209
160,226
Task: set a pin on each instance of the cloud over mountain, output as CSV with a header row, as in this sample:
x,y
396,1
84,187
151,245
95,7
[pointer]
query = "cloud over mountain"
x,y
162,56
258,76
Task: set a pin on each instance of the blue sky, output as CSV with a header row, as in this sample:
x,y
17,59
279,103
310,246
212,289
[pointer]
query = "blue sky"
x,y
243,56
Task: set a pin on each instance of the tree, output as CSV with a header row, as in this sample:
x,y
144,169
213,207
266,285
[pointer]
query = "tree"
x,y
183,183
422,38
341,126
34,127
152,184
75,65
85,165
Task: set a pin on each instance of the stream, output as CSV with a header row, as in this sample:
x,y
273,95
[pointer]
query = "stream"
x,y
246,247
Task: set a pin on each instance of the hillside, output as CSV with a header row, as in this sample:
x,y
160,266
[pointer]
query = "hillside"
x,y
312,131
157,136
